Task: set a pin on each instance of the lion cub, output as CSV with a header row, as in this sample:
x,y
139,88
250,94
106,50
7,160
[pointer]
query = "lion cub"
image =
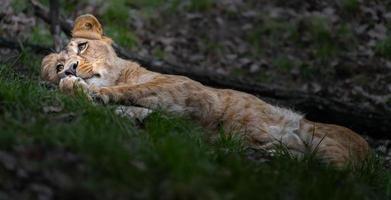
x,y
109,78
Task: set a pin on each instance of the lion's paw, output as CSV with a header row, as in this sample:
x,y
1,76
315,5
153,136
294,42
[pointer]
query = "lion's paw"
x,y
70,84
99,97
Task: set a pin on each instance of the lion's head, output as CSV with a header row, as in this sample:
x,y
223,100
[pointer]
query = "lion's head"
x,y
90,53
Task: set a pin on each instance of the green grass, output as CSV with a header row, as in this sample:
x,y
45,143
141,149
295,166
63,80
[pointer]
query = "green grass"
x,y
168,157
117,11
19,5
152,3
121,35
41,35
273,30
383,48
308,72
350,6
115,19
345,37
172,5
239,72
315,36
159,53
283,63
322,38
200,5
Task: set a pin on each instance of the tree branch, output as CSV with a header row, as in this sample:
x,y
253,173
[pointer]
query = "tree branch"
x,y
54,25
43,13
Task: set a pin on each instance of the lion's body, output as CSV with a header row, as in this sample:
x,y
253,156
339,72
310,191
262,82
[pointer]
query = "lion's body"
x,y
262,125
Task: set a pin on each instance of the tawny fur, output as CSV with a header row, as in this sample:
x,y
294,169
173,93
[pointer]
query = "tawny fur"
x,y
262,125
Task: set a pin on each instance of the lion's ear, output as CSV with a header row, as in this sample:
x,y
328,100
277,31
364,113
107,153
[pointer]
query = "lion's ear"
x,y
87,26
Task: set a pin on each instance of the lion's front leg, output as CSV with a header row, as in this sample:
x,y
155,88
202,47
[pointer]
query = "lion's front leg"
x,y
144,95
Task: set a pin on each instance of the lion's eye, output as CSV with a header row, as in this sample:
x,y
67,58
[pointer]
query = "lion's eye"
x,y
59,67
81,46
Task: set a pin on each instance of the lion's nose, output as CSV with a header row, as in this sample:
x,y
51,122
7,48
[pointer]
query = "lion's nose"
x,y
72,69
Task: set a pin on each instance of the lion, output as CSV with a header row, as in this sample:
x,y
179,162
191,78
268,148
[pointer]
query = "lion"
x,y
93,65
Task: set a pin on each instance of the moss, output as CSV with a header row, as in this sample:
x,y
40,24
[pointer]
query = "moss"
x,y
117,12
158,53
389,101
19,5
322,38
263,77
283,63
239,72
200,5
350,6
149,4
41,35
383,48
121,35
307,72
276,32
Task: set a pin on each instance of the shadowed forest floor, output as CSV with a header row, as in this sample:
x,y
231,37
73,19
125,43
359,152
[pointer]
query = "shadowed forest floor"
x,y
54,146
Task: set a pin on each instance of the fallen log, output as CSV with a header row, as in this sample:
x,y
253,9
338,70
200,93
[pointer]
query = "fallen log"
x,y
21,46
